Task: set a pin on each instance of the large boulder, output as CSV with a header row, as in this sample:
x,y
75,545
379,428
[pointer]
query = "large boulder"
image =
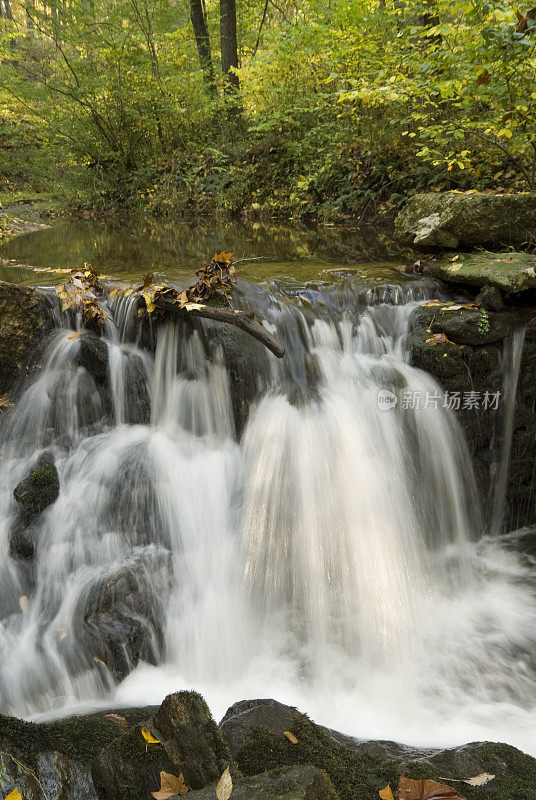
x,y
285,783
358,769
448,220
510,272
25,317
190,742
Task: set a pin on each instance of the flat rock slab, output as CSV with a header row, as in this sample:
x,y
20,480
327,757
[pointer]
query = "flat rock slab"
x,y
287,783
448,220
511,272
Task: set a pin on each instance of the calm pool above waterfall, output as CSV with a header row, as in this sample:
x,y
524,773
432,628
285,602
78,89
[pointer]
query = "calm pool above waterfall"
x,y
267,527
130,251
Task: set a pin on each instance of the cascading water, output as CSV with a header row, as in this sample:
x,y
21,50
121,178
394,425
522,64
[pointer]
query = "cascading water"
x,y
262,528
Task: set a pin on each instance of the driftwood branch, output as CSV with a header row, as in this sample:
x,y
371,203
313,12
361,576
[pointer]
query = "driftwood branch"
x,y
245,320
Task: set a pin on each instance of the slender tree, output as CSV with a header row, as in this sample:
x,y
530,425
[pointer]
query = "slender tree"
x,y
229,40
202,40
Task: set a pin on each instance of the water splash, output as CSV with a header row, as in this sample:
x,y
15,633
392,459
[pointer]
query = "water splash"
x,y
286,536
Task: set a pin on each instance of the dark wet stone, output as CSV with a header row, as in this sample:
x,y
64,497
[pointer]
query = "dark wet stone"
x,y
39,489
25,319
129,769
490,298
358,769
93,356
285,783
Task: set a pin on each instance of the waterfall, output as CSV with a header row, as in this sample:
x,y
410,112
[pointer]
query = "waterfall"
x,y
255,527
512,355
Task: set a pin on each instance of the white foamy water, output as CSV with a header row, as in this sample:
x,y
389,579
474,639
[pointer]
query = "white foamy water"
x,y
327,555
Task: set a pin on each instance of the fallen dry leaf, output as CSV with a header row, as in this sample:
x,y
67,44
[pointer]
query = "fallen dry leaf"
x,y
387,793
14,795
225,786
148,736
425,789
438,338
170,785
118,719
290,736
480,780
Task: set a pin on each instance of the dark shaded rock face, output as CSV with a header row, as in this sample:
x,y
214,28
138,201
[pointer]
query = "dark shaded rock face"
x,y
38,490
359,769
490,298
121,619
287,783
24,320
455,219
190,743
473,360
93,356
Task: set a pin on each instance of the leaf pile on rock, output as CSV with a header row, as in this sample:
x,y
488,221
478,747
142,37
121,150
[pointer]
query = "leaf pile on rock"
x,y
214,284
82,292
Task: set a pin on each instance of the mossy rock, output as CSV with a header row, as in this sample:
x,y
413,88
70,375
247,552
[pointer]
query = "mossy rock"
x,y
448,220
190,742
358,772
285,783
25,319
39,489
511,272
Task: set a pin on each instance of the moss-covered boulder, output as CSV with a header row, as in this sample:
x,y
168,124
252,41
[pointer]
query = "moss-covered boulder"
x,y
511,272
24,320
359,769
39,489
285,783
448,220
190,742
57,755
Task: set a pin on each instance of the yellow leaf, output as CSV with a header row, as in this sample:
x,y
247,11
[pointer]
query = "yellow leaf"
x,y
149,738
14,795
149,302
386,794
225,786
193,306
290,736
223,257
170,785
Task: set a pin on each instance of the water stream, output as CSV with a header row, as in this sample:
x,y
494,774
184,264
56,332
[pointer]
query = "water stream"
x,y
270,529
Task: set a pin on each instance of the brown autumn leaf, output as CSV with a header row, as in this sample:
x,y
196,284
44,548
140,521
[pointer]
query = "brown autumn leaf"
x,y
484,78
225,786
118,719
223,257
438,338
425,789
523,20
170,785
290,736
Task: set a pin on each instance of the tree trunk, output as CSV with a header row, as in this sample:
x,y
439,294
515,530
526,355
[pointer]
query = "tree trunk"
x,y
7,10
229,42
202,40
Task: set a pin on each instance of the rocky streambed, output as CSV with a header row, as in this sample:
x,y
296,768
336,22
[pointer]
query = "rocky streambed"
x,y
273,751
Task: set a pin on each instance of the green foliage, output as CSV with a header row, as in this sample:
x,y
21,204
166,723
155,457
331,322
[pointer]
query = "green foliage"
x,y
345,106
483,322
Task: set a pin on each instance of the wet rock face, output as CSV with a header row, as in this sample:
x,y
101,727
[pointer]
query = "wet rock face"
x,y
24,320
93,356
473,361
38,490
286,783
191,743
449,220
358,769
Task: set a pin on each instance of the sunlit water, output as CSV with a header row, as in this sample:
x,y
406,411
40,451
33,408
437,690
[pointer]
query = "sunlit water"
x,y
291,539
